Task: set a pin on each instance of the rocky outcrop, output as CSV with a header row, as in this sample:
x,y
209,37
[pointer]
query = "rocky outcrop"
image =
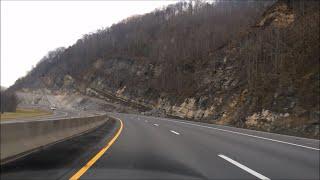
x,y
187,109
279,15
281,122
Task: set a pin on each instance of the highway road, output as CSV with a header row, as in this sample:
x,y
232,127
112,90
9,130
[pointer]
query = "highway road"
x,y
142,147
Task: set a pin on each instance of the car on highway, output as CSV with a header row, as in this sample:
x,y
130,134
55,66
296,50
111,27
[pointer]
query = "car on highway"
x,y
53,108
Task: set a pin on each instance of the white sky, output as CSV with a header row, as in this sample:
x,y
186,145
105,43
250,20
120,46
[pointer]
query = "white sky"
x,y
29,29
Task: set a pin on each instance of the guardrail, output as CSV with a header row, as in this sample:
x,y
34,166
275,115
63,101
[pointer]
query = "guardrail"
x,y
21,138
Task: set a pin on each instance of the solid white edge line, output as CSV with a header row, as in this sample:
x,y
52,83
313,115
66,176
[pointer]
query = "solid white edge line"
x,y
256,174
175,132
258,137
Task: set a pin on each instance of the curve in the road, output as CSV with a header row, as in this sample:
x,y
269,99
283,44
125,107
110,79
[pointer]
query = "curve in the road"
x,y
98,155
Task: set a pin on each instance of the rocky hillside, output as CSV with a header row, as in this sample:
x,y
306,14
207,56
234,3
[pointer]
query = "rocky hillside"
x,y
251,64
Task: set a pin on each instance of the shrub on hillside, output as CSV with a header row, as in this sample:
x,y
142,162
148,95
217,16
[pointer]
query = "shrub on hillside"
x,y
9,101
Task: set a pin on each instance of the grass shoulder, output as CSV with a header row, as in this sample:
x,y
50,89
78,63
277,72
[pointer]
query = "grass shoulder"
x,y
24,113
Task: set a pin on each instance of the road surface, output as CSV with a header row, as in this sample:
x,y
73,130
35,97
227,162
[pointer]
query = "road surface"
x,y
158,148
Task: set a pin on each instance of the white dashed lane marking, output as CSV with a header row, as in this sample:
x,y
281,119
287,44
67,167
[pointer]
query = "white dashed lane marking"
x,y
174,132
243,167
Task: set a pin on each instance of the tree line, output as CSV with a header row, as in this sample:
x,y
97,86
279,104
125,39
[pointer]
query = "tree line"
x,y
9,101
179,37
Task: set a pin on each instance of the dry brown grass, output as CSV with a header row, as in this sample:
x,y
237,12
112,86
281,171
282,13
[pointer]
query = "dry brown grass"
x,y
24,113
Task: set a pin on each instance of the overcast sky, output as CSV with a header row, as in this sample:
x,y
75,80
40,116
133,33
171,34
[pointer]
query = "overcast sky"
x,y
29,29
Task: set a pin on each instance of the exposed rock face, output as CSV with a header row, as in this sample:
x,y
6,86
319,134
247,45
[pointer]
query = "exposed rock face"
x,y
263,119
68,101
188,109
68,81
277,122
279,15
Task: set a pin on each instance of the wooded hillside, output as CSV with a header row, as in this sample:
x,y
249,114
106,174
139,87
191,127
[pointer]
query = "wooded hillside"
x,y
252,64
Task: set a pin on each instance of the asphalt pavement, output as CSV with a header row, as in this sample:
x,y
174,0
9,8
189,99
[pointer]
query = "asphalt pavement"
x,y
160,148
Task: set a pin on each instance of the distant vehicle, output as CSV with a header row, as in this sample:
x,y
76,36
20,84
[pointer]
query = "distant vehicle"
x,y
53,108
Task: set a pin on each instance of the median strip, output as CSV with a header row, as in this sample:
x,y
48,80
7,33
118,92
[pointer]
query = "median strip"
x,y
256,174
24,113
98,155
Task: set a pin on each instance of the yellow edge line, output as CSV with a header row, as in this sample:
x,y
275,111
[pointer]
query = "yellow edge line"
x,y
98,155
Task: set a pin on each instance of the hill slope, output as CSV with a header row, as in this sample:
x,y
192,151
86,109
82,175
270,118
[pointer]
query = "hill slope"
x,y
247,64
